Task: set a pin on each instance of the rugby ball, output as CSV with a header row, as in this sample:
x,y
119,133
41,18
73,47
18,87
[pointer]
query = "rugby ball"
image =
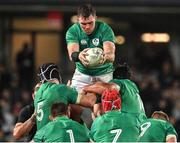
x,y
95,55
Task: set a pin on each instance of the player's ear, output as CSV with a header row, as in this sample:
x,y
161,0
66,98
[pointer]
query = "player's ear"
x,y
95,17
68,112
77,18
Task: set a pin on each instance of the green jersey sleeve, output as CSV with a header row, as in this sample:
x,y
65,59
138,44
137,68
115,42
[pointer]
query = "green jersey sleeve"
x,y
132,102
39,135
116,81
108,34
170,129
94,128
70,93
71,35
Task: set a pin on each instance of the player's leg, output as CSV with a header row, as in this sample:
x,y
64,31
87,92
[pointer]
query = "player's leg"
x,y
80,80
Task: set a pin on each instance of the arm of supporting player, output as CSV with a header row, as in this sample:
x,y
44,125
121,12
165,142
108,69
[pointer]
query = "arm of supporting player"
x,y
86,99
171,138
21,129
99,87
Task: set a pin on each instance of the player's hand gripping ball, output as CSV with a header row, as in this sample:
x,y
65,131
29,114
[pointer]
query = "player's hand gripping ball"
x,y
95,55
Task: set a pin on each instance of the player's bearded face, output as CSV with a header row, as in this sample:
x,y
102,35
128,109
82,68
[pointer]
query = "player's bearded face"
x,y
87,24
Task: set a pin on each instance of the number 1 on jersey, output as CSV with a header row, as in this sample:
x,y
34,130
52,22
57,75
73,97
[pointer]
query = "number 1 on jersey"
x,y
70,132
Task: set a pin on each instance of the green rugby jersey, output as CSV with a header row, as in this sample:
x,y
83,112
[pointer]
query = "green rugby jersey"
x,y
48,94
62,129
102,33
155,130
131,100
115,126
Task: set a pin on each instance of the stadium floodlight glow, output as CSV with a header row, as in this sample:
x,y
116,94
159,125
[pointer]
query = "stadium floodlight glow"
x,y
161,37
155,37
120,39
147,37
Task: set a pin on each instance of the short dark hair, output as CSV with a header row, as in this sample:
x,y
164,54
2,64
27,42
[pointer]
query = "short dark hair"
x,y
59,109
86,10
122,71
161,115
49,71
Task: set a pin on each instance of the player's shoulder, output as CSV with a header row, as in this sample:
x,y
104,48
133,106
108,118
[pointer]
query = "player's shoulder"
x,y
73,27
73,31
59,86
164,124
64,88
103,26
101,119
124,81
76,124
116,81
157,121
69,123
101,23
113,80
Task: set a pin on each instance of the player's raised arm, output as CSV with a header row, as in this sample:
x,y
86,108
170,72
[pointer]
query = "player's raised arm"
x,y
72,44
76,55
73,51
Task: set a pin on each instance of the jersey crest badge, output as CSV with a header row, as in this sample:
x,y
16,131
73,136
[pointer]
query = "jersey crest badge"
x,y
95,41
83,42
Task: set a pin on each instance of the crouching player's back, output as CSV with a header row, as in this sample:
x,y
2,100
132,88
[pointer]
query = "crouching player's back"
x,y
61,128
157,129
114,125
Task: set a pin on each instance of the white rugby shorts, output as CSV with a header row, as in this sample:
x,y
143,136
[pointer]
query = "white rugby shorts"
x,y
80,80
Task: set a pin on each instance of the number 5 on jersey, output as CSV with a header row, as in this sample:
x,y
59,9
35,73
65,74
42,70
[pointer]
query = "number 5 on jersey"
x,y
39,111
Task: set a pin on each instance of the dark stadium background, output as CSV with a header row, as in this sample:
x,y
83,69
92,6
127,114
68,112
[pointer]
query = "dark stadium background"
x,y
41,24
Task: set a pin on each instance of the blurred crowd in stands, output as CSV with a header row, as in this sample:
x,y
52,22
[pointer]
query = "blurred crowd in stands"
x,y
15,90
157,79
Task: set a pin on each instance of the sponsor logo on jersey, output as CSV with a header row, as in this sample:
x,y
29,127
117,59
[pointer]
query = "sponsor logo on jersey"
x,y
83,42
95,41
